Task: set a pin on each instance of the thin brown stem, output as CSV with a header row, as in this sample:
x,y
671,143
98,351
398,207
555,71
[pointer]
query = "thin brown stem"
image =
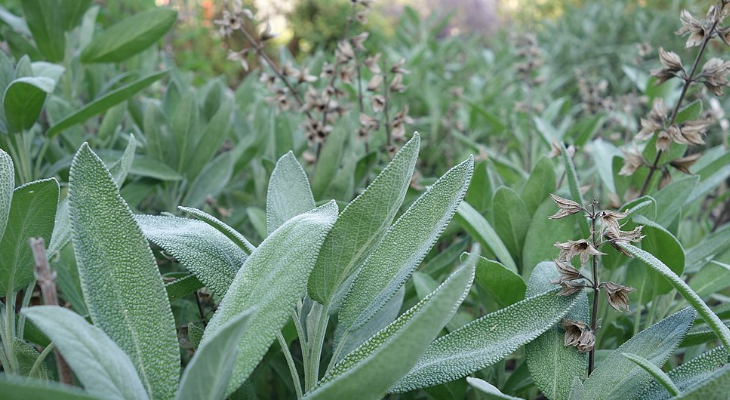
x,y
596,289
687,82
47,281
200,310
388,137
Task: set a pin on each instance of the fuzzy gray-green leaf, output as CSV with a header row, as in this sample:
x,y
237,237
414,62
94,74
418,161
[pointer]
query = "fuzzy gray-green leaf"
x,y
289,192
273,278
362,224
486,387
101,366
486,340
370,370
403,248
32,212
554,366
692,298
617,377
203,250
7,182
480,230
654,371
689,373
13,388
221,227
122,286
715,386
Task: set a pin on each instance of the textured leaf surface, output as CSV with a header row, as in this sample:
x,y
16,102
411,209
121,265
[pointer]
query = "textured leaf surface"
x,y
7,182
119,277
616,377
654,371
716,386
202,249
362,224
130,36
221,227
289,193
480,229
537,248
273,278
554,366
27,356
489,389
32,211
101,366
503,285
31,389
486,340
689,373
403,248
208,373
370,370
722,331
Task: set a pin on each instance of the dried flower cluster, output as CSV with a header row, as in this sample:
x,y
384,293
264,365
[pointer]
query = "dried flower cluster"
x,y
572,280
527,68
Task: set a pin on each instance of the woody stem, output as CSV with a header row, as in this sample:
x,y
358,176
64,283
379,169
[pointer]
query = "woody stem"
x,y
596,289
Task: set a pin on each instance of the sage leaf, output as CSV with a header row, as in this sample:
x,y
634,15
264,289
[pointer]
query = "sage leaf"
x,y
129,36
45,22
616,377
690,373
654,371
489,389
540,184
722,331
670,200
403,248
203,250
7,183
99,364
121,284
31,389
480,229
501,284
715,386
574,186
362,224
485,341
511,220
369,371
27,356
120,169
272,279
208,373
554,366
221,227
32,211
24,99
289,193
211,180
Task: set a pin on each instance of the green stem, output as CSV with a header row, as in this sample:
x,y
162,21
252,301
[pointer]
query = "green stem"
x,y
596,279
302,336
10,327
311,372
26,301
290,363
41,357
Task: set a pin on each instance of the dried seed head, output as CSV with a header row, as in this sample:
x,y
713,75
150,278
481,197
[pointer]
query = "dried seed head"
x,y
614,238
371,62
566,207
267,33
396,85
632,162
375,83
369,123
289,71
714,74
568,288
397,68
617,295
328,71
609,220
567,272
671,66
691,27
362,17
684,163
578,334
344,52
358,41
378,102
240,56
572,248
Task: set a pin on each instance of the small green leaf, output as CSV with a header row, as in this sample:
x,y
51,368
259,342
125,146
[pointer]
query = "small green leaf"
x,y
33,389
369,371
713,244
511,220
121,168
617,377
99,364
129,36
46,23
362,224
32,212
212,138
654,371
712,278
7,182
708,184
480,230
289,193
486,387
221,227
537,248
27,356
540,184
486,340
103,103
208,373
211,180
24,99
182,287
329,162
502,285
692,298
670,200
203,250
72,11
273,278
105,234
195,334
574,185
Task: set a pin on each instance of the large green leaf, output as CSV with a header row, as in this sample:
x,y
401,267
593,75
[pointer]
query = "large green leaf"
x,y
129,36
715,386
689,373
211,180
503,286
7,182
273,278
221,227
486,340
692,298
362,224
203,250
670,200
47,25
23,101
208,373
32,211
122,286
537,248
511,220
103,103
656,372
32,389
711,245
554,366
289,193
211,139
402,249
617,377
370,370
664,246
540,184
480,230
99,364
